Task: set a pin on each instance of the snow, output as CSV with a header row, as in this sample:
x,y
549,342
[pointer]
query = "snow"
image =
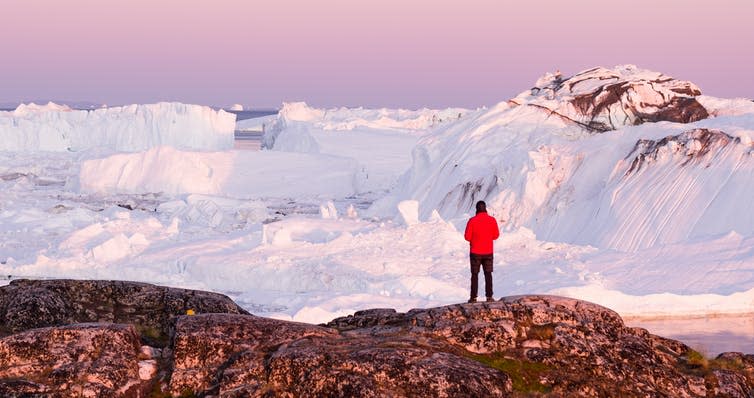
x,y
236,174
341,119
349,209
409,210
129,128
727,107
379,140
33,109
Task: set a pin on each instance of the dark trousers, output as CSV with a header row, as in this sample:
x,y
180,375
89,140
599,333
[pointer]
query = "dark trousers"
x,y
485,262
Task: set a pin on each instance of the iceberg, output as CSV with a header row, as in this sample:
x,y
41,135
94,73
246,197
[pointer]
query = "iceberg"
x,y
132,128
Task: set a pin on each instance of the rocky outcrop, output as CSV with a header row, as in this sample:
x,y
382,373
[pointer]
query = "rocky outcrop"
x,y
84,360
518,346
601,99
234,356
28,304
562,347
690,146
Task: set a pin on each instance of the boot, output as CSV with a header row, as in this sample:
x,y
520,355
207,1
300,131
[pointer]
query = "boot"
x,y
472,300
490,300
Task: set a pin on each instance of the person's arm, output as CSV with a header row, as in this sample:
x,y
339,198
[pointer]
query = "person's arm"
x,y
467,234
497,230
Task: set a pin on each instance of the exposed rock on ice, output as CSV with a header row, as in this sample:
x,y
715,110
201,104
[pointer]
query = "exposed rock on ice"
x,y
603,99
694,145
128,128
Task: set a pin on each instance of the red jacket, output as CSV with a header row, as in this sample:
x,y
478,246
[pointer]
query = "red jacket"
x,y
481,230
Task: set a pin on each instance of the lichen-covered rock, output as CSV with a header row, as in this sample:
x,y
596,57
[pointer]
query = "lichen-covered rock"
x,y
369,369
204,345
83,360
232,355
28,304
561,347
602,99
519,346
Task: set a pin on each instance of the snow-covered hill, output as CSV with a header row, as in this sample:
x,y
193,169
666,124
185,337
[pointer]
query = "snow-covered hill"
x,y
621,158
53,127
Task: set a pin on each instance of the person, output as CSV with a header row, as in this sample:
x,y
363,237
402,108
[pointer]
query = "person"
x,y
481,231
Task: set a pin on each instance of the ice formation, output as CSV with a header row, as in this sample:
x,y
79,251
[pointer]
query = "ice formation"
x,y
566,183
129,128
347,119
235,174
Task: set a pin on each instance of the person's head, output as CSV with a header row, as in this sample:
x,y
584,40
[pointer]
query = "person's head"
x,y
481,207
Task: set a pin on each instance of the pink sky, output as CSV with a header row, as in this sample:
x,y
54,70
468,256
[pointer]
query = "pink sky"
x,y
358,53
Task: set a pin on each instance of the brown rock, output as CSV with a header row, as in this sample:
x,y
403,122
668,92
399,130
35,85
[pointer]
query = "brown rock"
x,y
232,355
561,347
28,304
519,346
693,146
205,345
86,360
601,99
613,106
